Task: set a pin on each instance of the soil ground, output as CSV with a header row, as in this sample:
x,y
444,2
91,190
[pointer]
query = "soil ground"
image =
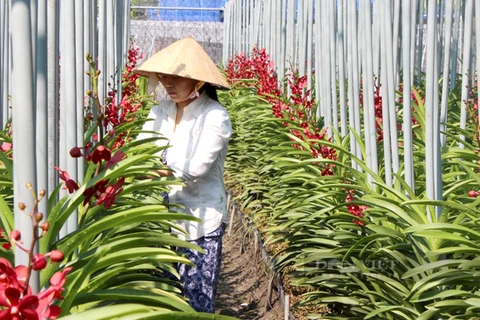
x,y
242,290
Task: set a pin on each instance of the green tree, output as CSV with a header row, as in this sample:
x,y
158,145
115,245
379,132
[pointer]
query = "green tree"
x,y
141,14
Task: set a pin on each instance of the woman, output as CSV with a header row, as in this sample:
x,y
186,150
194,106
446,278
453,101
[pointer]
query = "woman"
x,y
197,129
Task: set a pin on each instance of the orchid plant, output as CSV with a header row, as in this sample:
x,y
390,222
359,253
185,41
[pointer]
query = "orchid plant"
x,y
114,264
17,301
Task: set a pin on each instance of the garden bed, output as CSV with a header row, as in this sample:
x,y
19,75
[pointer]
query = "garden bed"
x,y
247,288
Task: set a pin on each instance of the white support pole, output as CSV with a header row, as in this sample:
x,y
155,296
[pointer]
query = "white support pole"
x,y
389,65
5,66
68,102
80,89
446,67
283,38
102,48
420,24
407,25
53,90
477,51
385,90
226,34
309,37
302,37
319,62
340,39
41,127
431,108
396,40
354,81
467,43
331,29
291,30
326,69
23,124
367,80
455,45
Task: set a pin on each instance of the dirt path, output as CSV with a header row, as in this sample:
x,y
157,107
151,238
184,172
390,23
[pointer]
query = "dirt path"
x,y
243,283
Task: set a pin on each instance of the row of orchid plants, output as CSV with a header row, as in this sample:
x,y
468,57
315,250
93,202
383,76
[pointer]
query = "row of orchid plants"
x,y
119,261
345,240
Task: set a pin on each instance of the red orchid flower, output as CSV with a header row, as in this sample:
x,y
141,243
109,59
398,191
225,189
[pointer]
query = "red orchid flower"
x,y
97,190
101,153
18,308
70,184
6,245
110,193
6,146
53,292
117,157
39,262
8,276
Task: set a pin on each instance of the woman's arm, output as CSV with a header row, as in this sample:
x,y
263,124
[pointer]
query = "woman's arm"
x,y
213,138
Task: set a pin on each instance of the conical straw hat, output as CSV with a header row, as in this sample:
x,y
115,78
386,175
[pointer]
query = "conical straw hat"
x,y
185,58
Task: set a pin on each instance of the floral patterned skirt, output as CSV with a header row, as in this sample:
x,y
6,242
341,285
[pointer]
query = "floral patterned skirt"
x,y
199,283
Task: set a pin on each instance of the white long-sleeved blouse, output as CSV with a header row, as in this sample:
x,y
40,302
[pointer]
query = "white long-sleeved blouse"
x,y
197,152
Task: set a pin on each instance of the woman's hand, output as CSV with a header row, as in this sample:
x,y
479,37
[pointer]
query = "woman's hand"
x,y
165,173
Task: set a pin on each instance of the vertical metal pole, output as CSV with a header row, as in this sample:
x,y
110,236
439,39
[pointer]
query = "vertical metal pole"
x,y
441,26
102,47
267,25
62,148
23,126
319,62
4,45
431,109
127,24
477,52
420,41
87,38
253,25
446,67
68,109
302,34
354,81
41,144
53,91
291,26
278,34
368,101
119,47
377,11
109,74
407,103
326,68
238,25
341,68
389,65
80,90
467,43
283,38
385,90
248,24
455,47
413,40
244,28
396,41
33,16
94,25
226,34
331,29
309,43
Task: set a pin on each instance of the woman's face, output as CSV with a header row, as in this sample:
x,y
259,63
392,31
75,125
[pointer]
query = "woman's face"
x,y
178,88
